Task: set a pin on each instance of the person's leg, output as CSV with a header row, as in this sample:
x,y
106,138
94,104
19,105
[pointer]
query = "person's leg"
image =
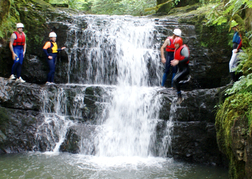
x,y
16,61
19,66
174,68
232,64
174,71
51,69
179,76
14,67
164,79
167,69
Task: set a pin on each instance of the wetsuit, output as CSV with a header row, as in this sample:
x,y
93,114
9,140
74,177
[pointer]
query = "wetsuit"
x,y
169,56
51,49
181,54
18,48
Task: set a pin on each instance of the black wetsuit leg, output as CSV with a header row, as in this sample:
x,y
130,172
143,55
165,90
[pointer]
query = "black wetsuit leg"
x,y
183,72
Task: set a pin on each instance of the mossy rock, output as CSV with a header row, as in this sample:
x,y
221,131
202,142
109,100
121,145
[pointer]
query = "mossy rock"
x,y
232,125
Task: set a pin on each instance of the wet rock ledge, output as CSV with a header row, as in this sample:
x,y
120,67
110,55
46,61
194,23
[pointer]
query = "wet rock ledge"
x,y
23,107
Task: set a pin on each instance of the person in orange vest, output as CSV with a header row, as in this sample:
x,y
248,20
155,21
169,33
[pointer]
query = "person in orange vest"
x,y
181,59
51,50
166,59
17,47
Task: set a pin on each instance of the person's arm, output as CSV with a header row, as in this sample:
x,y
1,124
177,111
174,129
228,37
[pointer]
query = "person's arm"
x,y
12,38
46,46
62,48
166,42
184,52
24,47
240,44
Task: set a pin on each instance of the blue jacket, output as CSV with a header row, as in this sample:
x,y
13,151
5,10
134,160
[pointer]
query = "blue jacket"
x,y
236,38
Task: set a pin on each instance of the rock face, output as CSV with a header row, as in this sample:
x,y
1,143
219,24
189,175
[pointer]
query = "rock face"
x,y
193,133
24,106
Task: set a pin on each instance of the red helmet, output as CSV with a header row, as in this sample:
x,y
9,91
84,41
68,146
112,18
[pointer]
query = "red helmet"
x,y
178,40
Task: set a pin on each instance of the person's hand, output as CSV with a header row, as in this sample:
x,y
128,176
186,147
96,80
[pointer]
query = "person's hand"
x,y
14,56
63,48
23,54
50,57
235,51
163,60
174,62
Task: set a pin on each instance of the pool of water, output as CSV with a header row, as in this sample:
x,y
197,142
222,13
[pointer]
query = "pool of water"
x,y
65,166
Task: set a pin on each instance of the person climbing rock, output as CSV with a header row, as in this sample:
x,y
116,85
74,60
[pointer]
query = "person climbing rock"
x,y
18,48
51,50
181,59
237,44
166,59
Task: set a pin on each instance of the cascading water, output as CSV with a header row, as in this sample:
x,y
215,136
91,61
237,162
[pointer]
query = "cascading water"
x,y
127,45
113,50
116,51
55,124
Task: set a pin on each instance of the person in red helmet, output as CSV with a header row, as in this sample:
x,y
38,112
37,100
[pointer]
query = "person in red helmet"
x,y
181,59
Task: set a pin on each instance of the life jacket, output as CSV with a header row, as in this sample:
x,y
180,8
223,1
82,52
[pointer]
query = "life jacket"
x,y
20,40
53,48
171,47
177,53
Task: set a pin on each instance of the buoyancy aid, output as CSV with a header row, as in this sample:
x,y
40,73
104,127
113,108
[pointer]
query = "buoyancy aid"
x,y
177,53
171,47
53,48
20,40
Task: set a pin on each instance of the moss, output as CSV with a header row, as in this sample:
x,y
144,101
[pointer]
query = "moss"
x,y
246,69
235,107
197,17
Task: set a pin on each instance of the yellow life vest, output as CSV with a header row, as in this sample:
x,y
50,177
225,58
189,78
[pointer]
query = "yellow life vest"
x,y
54,47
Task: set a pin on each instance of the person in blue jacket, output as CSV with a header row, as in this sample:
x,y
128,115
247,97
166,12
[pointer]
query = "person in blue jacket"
x,y
237,44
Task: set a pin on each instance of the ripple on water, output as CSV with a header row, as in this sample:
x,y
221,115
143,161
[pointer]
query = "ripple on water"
x,y
64,166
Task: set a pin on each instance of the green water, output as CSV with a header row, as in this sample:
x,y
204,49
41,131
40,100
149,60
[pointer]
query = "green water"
x,y
64,166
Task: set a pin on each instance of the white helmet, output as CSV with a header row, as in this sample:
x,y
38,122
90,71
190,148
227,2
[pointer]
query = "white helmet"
x,y
20,25
52,34
177,32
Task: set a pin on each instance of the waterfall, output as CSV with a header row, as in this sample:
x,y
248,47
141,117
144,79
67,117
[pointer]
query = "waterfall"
x,y
101,47
55,125
121,52
133,112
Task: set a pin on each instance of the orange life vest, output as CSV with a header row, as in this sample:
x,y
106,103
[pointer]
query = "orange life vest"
x,y
171,47
20,40
177,53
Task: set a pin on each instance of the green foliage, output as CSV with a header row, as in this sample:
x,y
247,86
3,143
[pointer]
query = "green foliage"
x,y
121,7
158,6
111,7
235,108
224,12
245,67
238,105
